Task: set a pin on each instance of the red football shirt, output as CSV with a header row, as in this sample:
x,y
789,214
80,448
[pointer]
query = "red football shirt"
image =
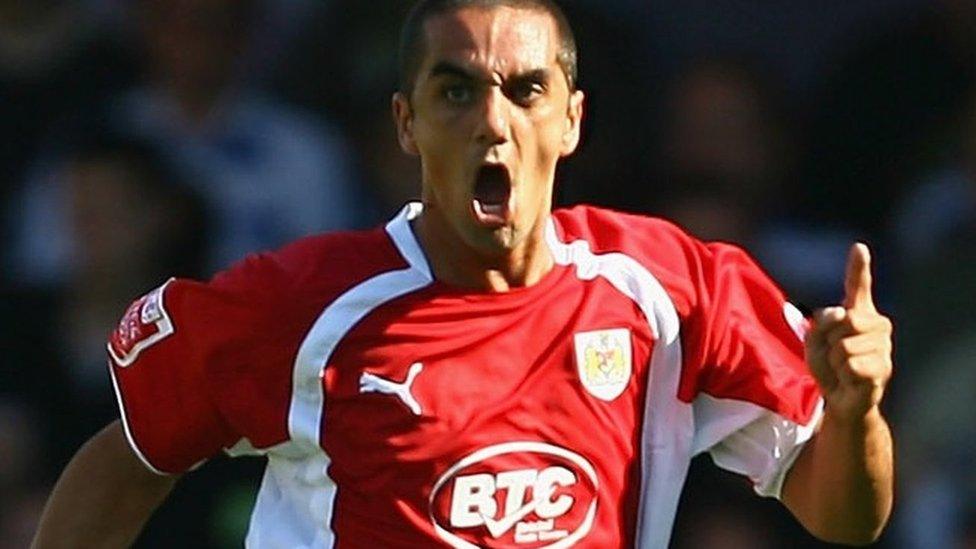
x,y
398,411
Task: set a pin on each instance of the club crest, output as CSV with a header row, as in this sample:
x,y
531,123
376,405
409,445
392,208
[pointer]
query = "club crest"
x,y
603,359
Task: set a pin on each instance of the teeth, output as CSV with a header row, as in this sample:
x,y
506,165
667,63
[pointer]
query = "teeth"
x,y
489,209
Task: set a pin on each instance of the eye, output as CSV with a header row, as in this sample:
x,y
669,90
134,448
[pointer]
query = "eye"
x,y
458,93
526,92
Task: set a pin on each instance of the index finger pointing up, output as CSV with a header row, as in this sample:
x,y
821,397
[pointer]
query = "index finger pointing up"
x,y
857,280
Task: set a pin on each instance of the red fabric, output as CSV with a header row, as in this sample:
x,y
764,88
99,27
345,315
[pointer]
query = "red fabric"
x,y
225,372
736,341
497,369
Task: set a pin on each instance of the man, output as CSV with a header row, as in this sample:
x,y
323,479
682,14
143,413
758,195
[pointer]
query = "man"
x,y
482,372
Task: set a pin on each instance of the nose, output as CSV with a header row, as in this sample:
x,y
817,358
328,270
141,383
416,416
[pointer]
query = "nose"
x,y
494,126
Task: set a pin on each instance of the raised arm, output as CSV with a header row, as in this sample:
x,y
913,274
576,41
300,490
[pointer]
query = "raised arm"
x,y
104,496
840,487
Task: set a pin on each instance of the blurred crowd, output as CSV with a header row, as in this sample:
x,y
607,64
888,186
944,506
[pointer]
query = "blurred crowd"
x,y
142,139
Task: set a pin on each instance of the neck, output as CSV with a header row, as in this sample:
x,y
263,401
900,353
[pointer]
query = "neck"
x,y
454,262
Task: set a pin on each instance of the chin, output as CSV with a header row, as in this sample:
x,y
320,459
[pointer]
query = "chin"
x,y
496,242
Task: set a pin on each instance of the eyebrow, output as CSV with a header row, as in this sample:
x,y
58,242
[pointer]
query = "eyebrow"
x,y
448,68
534,75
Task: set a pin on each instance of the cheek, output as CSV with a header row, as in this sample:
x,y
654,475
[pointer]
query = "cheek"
x,y
432,145
442,147
440,135
549,134
552,123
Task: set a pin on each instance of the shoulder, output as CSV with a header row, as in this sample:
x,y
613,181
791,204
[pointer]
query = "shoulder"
x,y
645,238
266,300
657,244
321,266
611,230
683,264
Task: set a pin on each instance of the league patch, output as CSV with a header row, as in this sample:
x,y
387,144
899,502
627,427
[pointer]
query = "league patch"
x,y
145,322
603,359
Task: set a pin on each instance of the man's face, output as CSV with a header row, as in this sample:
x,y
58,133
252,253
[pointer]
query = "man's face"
x,y
490,116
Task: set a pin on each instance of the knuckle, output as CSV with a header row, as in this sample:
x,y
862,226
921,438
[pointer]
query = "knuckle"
x,y
865,322
848,345
859,369
858,321
887,325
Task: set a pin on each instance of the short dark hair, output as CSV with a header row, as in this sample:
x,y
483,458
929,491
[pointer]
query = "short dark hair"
x,y
412,46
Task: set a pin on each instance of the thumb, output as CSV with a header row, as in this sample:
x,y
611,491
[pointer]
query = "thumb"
x,y
857,279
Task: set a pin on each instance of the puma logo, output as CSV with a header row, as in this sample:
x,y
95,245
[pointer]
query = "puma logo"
x,y
371,383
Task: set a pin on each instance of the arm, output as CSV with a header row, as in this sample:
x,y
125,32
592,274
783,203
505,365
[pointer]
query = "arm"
x,y
840,487
104,496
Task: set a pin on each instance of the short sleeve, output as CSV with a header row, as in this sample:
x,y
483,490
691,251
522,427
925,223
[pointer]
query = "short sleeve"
x,y
159,359
201,367
754,400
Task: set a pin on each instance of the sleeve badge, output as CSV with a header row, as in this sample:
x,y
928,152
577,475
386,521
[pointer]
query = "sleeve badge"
x,y
145,323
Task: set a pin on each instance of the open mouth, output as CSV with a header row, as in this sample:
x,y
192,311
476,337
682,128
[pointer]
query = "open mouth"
x,y
492,191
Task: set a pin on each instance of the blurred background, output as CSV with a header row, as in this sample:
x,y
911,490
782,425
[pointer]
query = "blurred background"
x,y
146,138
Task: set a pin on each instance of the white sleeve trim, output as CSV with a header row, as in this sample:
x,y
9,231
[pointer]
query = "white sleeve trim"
x,y
128,432
752,441
773,487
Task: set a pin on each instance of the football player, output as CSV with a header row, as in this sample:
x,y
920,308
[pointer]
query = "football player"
x,y
484,371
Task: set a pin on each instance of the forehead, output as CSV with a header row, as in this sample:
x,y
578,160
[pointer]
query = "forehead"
x,y
500,39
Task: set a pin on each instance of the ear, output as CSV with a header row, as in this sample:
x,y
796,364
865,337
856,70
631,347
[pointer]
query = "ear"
x,y
574,119
403,118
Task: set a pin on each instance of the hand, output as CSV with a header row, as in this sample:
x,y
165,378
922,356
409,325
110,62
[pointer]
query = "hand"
x,y
849,347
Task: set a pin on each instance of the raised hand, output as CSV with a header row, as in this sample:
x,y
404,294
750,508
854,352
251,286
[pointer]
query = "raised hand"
x,y
849,348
